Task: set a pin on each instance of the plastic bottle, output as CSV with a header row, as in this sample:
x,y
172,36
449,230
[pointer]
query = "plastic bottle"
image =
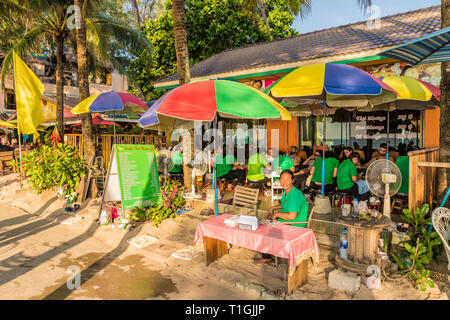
x,y
343,245
355,204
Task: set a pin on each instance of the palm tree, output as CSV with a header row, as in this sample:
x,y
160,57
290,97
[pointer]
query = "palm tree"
x,y
179,31
444,141
49,25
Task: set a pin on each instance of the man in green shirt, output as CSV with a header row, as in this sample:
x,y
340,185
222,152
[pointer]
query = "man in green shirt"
x,y
282,162
331,169
294,207
256,163
347,178
228,168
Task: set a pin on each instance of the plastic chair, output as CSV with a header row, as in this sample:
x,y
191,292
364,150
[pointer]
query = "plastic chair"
x,y
441,223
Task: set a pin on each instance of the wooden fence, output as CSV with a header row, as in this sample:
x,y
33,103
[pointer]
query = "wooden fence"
x,y
422,179
106,141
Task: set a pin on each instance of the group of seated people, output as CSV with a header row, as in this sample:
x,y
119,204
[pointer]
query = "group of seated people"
x,y
343,173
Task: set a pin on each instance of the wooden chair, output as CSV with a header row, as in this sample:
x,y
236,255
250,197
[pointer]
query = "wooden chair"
x,y
398,203
5,158
245,197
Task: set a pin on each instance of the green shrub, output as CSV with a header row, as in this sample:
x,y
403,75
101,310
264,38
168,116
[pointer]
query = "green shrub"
x,y
50,166
158,213
422,245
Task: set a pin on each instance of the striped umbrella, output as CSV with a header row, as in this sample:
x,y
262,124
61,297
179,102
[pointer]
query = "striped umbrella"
x,y
333,85
434,47
202,100
111,103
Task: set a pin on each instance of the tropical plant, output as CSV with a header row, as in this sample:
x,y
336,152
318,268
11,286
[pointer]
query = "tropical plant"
x,y
423,244
158,213
49,166
106,43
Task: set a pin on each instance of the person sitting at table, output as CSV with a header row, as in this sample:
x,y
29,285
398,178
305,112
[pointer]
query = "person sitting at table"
x,y
331,169
293,208
255,165
346,153
281,162
228,168
293,154
303,174
347,177
379,154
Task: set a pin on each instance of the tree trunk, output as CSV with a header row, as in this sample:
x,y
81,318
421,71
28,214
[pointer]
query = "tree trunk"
x,y
444,138
60,85
179,31
83,83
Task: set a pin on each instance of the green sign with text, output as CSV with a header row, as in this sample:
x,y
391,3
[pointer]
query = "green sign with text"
x,y
138,175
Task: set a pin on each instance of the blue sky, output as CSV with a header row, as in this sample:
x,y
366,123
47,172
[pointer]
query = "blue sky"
x,y
333,13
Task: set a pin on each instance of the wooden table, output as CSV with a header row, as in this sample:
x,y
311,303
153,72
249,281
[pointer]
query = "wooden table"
x,y
363,236
216,246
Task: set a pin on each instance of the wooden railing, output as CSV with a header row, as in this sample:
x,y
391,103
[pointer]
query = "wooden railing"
x,y
106,141
422,179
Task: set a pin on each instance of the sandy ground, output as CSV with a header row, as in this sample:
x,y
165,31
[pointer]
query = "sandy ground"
x,y
37,250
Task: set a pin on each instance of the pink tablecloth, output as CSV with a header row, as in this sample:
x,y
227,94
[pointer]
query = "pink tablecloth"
x,y
284,241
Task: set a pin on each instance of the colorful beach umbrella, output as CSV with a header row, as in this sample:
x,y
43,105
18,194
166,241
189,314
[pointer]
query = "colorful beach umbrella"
x,y
433,47
202,100
413,94
332,85
112,103
339,85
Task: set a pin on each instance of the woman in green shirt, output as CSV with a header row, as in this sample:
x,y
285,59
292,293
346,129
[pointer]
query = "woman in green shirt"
x,y
331,168
294,207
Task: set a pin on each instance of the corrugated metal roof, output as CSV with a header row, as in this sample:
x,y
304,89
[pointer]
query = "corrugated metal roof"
x,y
342,40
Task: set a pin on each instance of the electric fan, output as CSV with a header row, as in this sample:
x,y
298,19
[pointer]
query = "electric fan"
x,y
199,168
384,180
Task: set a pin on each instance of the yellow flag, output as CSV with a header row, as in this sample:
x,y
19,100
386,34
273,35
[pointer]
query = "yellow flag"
x,y
28,89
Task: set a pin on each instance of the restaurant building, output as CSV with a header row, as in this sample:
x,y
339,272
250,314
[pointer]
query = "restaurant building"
x,y
357,44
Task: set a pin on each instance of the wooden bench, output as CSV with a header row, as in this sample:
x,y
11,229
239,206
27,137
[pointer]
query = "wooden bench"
x,y
5,158
244,197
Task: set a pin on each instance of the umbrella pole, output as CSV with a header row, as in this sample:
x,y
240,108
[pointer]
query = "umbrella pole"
x,y
323,150
216,195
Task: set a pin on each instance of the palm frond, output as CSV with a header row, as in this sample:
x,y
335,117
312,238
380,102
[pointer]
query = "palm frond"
x,y
28,42
127,37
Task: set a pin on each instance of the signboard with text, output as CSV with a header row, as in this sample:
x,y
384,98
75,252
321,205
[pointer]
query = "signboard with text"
x,y
134,173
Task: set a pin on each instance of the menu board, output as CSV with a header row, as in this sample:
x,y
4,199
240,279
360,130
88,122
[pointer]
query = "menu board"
x,y
369,127
138,175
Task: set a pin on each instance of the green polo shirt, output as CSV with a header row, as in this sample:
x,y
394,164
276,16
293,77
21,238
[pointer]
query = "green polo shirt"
x,y
285,163
330,164
403,164
224,165
256,163
176,160
346,171
295,201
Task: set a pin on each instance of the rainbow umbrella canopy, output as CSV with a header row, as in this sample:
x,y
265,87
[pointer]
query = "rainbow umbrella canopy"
x,y
202,100
334,85
413,94
338,85
111,103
